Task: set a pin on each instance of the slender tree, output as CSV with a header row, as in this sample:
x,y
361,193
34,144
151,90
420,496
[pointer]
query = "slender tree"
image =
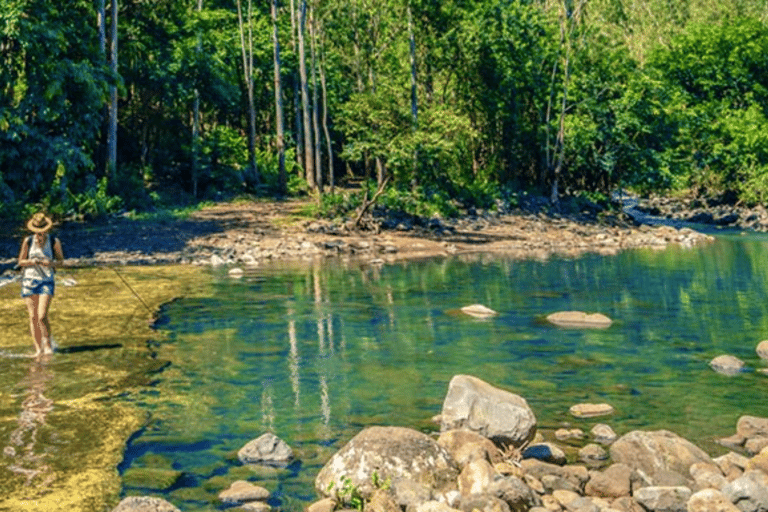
x,y
112,132
247,52
309,161
315,109
282,178
196,118
326,131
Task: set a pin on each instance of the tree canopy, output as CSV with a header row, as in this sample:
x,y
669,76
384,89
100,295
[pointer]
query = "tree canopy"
x,y
452,103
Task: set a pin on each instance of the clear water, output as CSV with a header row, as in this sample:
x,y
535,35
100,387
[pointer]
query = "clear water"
x,y
316,352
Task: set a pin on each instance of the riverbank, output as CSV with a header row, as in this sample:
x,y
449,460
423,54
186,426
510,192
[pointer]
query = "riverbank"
x,y
247,233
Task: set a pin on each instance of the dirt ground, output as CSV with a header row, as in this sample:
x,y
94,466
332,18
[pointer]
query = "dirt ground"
x,y
238,232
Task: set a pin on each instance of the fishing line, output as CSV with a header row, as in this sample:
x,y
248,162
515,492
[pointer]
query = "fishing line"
x,y
132,290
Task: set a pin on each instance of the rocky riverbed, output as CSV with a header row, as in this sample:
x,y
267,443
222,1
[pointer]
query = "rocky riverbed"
x,y
489,457
249,233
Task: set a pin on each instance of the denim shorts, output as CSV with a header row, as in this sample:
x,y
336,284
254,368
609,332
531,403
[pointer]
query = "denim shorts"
x,y
31,287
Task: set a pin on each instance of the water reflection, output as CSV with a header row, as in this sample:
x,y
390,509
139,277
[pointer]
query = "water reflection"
x,y
26,451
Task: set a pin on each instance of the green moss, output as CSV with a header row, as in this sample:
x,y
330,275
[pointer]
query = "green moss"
x,y
151,478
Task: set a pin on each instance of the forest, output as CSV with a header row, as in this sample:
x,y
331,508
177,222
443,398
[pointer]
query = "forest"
x,y
431,106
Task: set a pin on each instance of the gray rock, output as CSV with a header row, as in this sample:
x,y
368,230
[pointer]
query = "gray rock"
x,y
431,506
752,426
756,444
515,493
614,482
732,465
727,365
478,311
476,477
466,446
591,410
659,457
603,434
144,504
392,453
593,454
663,499
762,349
554,477
580,319
707,476
749,492
501,416
242,492
267,448
483,503
710,500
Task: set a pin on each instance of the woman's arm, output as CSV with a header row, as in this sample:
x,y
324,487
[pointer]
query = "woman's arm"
x,y
23,253
58,252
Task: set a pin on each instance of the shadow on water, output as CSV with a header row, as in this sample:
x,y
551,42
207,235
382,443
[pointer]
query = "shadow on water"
x,y
88,348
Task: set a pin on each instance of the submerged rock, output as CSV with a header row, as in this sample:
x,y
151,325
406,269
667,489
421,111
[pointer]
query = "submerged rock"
x,y
267,448
762,349
579,319
241,492
144,504
727,365
591,410
478,311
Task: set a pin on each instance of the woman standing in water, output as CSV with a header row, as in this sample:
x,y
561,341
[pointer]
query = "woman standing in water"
x,y
37,259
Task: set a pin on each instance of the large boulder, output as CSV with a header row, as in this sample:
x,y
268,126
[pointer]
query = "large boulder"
x,y
503,417
660,457
380,454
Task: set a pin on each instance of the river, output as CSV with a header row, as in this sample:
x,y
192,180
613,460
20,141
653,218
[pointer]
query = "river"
x,y
316,352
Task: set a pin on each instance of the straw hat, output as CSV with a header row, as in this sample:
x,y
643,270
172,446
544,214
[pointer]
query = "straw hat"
x,y
39,223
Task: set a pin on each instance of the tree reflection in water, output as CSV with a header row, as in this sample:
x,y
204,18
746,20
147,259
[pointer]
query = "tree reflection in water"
x,y
27,453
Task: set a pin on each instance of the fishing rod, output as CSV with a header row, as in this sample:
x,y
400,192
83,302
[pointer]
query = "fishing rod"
x,y
132,290
6,279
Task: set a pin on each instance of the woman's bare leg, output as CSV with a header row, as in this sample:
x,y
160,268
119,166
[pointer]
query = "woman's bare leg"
x,y
45,327
34,324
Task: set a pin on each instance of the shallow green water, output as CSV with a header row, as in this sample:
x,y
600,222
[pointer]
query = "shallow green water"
x,y
315,353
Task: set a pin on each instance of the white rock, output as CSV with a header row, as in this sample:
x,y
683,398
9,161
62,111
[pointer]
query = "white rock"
x,y
479,311
579,319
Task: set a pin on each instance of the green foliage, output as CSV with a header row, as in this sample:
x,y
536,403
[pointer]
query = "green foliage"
x,y
660,97
717,88
348,493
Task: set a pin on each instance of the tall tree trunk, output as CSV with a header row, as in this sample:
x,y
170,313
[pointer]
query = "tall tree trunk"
x,y
101,22
248,72
112,131
414,98
102,26
282,178
309,163
196,121
329,143
570,18
298,130
315,110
